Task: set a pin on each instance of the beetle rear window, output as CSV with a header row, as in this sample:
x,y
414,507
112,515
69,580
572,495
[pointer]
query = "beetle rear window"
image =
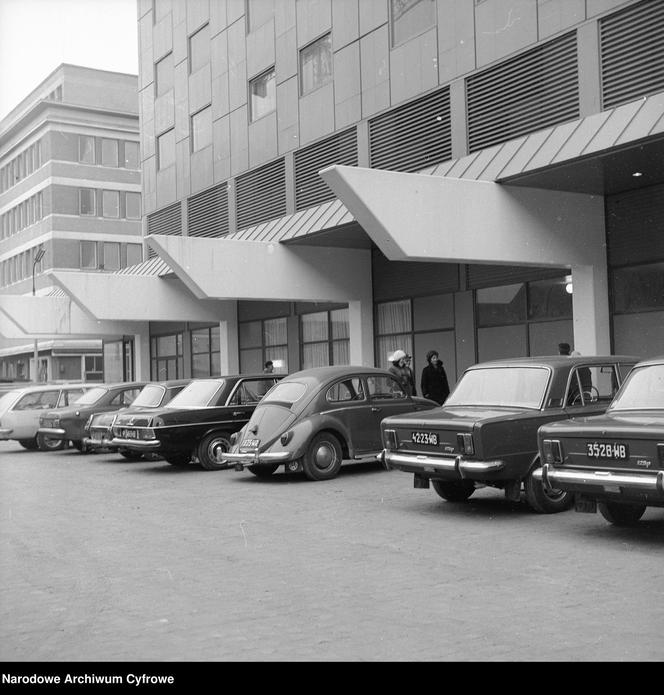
x,y
643,389
288,392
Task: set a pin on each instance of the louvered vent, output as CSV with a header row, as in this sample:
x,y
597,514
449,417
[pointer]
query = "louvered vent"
x,y
260,194
207,212
413,136
166,221
496,275
310,189
632,53
530,92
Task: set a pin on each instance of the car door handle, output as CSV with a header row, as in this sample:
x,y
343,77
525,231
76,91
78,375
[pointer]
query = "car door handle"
x,y
375,410
237,413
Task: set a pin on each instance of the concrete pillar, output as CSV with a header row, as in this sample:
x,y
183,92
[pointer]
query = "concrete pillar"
x,y
142,354
361,330
590,305
229,358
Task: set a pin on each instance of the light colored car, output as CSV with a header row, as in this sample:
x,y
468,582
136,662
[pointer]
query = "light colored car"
x,y
21,408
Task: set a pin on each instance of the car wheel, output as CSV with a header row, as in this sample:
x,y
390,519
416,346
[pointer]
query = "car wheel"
x,y
130,455
544,500
45,443
79,446
263,471
211,451
621,514
30,444
323,458
179,460
454,492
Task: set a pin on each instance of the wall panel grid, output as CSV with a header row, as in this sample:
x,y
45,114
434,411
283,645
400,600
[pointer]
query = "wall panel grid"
x,y
310,189
260,195
529,92
632,53
207,212
413,136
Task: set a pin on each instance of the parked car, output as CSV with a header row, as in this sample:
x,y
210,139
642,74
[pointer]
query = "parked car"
x,y
66,424
197,423
99,427
486,431
21,408
315,419
612,462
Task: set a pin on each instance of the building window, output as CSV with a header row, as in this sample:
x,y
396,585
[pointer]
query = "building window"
x,y
109,152
111,255
133,206
166,149
316,64
166,357
86,201
110,204
86,149
205,352
500,306
94,368
409,18
199,49
134,254
201,129
88,255
262,94
638,288
261,341
163,74
131,155
394,329
325,338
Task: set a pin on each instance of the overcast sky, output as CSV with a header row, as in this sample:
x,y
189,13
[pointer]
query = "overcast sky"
x,y
38,35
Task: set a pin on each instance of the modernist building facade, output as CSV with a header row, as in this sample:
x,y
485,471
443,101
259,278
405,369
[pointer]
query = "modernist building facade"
x,y
327,180
70,199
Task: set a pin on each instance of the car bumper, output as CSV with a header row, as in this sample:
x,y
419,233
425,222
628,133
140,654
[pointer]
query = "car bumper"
x,y
5,433
452,466
54,432
98,443
591,481
255,458
136,444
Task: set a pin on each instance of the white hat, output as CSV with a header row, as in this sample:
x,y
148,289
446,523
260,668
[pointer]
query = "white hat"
x,y
398,355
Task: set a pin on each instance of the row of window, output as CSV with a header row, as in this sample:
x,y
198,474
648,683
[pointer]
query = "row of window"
x,y
109,255
19,267
93,202
24,214
108,152
20,166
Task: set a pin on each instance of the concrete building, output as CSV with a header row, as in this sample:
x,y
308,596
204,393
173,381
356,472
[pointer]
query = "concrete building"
x,y
70,199
327,180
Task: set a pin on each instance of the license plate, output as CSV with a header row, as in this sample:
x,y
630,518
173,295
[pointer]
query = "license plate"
x,y
250,443
96,436
428,438
614,451
130,434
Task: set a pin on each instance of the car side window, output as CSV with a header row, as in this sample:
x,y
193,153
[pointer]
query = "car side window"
x,y
69,396
251,391
383,387
344,391
592,385
125,398
40,400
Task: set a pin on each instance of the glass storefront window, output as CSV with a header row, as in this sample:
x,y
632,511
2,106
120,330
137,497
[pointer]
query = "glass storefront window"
x,y
501,305
549,299
639,288
205,357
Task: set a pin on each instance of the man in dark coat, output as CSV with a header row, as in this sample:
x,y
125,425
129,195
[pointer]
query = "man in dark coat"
x,y
434,379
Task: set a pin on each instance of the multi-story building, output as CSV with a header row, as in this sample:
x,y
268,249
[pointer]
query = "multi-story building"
x,y
327,180
70,199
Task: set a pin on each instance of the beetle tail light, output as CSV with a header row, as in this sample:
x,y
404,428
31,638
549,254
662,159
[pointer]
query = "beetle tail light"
x,y
552,451
390,439
465,443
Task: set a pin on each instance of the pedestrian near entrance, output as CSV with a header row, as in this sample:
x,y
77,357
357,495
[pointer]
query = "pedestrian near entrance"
x,y
564,349
399,369
269,367
434,379
411,376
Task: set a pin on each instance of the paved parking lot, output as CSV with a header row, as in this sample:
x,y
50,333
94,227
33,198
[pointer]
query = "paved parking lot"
x,y
107,560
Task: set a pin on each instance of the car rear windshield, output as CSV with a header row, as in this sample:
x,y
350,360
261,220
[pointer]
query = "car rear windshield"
x,y
150,396
197,394
285,392
520,387
91,396
643,390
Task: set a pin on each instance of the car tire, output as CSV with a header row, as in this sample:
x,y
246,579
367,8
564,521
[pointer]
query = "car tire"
x,y
621,514
452,491
130,455
46,443
263,471
323,458
178,460
210,451
545,501
30,444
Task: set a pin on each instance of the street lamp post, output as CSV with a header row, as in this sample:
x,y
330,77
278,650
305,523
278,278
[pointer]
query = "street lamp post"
x,y
39,254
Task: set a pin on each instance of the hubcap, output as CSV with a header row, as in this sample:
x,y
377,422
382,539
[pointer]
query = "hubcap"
x,y
325,455
217,450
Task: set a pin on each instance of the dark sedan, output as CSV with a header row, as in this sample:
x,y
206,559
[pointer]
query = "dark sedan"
x,y
99,427
486,431
197,423
68,424
612,462
315,419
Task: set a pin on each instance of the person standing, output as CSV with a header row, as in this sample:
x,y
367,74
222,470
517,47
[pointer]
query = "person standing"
x,y
269,367
400,371
411,377
434,379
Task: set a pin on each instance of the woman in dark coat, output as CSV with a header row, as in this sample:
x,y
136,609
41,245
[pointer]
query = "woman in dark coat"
x,y
434,380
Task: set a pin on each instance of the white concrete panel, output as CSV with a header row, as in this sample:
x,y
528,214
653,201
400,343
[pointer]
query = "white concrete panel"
x,y
314,17
263,139
414,67
286,56
373,13
261,49
346,22
347,88
502,28
202,168
200,89
375,72
456,39
239,141
317,114
221,140
554,16
288,115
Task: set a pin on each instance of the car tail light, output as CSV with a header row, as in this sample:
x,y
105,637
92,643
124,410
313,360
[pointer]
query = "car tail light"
x,y
390,439
465,443
552,451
